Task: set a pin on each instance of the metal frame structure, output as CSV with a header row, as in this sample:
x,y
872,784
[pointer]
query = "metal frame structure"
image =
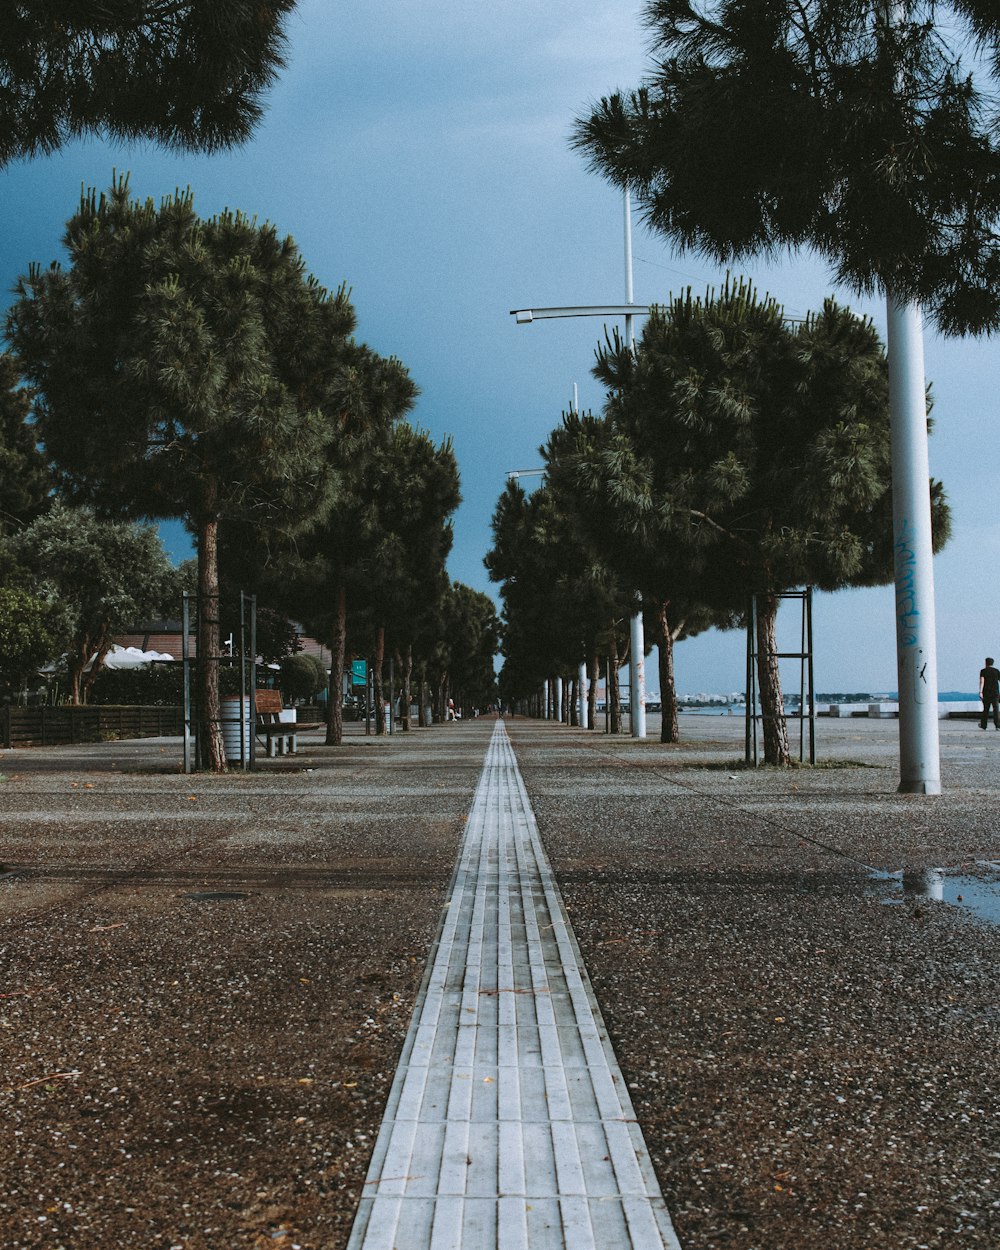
x,y
248,664
807,687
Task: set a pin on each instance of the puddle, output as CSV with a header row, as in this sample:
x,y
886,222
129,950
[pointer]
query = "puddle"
x,y
978,895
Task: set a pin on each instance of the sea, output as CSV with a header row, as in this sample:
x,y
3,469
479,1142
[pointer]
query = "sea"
x,y
822,700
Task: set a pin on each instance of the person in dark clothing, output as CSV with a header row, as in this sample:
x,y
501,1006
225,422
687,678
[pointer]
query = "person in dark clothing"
x,y
989,692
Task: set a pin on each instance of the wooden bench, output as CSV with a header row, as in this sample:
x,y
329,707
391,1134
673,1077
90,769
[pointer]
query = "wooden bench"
x,y
279,735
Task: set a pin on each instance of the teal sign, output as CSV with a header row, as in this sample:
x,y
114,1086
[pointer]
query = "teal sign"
x,y
359,673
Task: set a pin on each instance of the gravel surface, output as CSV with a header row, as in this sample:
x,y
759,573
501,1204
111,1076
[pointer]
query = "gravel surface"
x,y
210,1072
812,1054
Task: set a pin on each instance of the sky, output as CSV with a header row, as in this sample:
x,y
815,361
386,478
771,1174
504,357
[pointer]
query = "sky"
x,y
420,153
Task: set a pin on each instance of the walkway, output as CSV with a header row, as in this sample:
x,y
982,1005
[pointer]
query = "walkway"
x,y
508,1123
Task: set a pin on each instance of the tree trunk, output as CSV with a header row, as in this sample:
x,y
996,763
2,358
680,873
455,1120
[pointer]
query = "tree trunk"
x,y
406,671
378,694
75,668
614,694
335,690
574,711
669,726
595,675
211,749
99,649
424,689
772,708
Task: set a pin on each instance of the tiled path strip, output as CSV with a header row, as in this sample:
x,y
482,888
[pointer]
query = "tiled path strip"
x,y
508,1123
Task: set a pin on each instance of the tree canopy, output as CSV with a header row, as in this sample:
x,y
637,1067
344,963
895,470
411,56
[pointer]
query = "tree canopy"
x,y
180,363
185,368
853,126
186,73
562,599
98,577
469,639
408,497
760,449
25,477
411,491
27,637
601,473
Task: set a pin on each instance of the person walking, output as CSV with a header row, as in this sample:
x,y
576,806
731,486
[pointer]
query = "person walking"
x,y
989,692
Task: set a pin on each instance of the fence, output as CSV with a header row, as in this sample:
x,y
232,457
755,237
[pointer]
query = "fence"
x,y
60,726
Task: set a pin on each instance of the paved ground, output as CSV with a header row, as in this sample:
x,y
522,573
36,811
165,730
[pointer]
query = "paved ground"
x,y
813,1060
509,1123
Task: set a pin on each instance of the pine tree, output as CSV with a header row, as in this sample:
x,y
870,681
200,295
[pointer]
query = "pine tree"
x,y
851,126
323,567
765,455
603,483
184,368
187,73
25,477
563,603
410,491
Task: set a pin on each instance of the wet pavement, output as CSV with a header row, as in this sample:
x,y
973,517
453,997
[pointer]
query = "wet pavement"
x,y
810,1041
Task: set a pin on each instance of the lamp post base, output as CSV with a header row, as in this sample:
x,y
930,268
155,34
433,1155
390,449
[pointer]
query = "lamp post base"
x,y
919,787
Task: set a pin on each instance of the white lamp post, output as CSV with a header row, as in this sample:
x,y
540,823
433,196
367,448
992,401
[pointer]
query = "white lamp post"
x,y
916,644
912,543
628,310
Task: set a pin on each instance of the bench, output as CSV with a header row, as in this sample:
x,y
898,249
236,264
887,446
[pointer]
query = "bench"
x,y
279,735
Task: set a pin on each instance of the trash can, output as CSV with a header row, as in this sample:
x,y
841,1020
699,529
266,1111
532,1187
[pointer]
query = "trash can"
x,y
231,728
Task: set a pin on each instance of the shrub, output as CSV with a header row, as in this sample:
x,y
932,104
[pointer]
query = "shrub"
x,y
159,685
302,676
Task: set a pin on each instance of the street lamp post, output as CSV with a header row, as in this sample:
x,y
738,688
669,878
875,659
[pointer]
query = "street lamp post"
x,y
628,310
912,541
637,669
912,544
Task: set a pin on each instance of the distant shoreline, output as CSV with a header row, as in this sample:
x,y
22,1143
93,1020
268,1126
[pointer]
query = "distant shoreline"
x,y
874,696
823,701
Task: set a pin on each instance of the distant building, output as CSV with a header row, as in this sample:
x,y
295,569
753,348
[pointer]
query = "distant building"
x,y
166,636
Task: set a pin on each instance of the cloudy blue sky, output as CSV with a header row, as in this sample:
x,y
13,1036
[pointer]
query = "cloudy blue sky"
x,y
420,153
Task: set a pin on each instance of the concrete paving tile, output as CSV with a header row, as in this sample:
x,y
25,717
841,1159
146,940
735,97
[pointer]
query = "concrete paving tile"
x,y
508,1125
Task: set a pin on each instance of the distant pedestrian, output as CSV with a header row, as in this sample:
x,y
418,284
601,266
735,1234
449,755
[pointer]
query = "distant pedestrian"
x,y
989,692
